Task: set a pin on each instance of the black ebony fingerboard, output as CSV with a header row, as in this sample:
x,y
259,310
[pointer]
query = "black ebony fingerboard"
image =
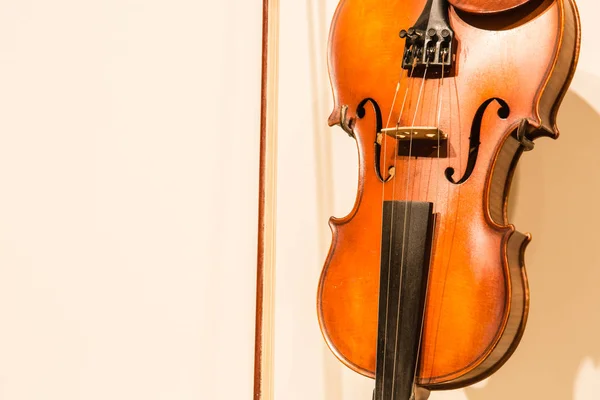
x,y
406,247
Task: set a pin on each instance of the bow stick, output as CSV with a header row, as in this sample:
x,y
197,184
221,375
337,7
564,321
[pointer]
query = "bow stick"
x,y
265,271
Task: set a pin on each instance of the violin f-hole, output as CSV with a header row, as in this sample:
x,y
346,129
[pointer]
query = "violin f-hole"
x,y
360,113
474,139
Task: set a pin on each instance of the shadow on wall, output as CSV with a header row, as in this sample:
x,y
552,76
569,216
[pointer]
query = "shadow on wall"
x,y
555,196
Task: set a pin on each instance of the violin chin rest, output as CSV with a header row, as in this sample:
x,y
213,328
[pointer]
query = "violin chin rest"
x,y
489,7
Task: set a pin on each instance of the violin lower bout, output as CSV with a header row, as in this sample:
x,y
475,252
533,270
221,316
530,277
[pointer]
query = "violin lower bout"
x,y
477,296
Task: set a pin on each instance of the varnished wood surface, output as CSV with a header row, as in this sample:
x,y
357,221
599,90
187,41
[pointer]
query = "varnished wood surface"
x,y
477,296
487,6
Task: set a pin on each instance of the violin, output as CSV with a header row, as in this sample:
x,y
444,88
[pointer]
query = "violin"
x,y
424,287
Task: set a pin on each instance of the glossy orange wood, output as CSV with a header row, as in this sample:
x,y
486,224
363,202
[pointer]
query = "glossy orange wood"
x,y
477,298
487,6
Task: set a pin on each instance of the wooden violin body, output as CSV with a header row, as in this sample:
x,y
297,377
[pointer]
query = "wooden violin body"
x,y
510,72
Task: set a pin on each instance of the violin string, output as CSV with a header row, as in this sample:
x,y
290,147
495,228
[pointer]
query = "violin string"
x,y
405,218
410,85
429,174
439,117
383,185
448,225
440,100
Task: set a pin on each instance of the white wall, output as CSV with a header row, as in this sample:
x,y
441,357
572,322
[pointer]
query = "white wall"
x,y
128,173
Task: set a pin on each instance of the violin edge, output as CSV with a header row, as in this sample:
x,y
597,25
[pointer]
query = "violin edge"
x,y
560,77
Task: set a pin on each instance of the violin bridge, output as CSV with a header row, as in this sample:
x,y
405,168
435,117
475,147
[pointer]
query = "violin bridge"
x,y
418,141
416,132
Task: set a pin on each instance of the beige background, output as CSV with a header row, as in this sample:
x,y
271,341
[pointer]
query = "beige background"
x,y
128,172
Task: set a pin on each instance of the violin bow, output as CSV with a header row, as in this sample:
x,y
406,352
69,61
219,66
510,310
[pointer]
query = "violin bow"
x,y
265,271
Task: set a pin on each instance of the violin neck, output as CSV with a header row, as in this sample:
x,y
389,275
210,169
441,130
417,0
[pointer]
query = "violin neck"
x,y
406,246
